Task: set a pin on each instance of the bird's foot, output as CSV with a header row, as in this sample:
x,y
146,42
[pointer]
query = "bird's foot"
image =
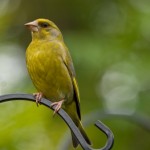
x,y
38,97
58,106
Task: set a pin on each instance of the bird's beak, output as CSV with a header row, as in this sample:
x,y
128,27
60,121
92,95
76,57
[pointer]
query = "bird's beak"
x,y
33,26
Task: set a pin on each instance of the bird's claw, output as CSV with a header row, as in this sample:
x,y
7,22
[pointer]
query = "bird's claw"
x,y
38,97
57,106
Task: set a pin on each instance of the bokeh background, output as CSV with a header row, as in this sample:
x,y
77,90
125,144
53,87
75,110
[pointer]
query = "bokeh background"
x,y
109,41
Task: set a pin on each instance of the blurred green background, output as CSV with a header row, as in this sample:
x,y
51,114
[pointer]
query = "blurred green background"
x,y
109,41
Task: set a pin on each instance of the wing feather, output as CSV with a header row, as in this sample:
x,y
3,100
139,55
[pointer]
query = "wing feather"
x,y
69,64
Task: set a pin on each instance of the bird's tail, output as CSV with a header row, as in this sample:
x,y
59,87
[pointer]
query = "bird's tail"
x,y
74,139
76,119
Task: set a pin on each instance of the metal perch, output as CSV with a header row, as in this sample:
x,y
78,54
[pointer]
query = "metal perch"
x,y
67,119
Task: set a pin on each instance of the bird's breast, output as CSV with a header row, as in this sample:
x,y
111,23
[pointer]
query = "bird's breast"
x,y
49,73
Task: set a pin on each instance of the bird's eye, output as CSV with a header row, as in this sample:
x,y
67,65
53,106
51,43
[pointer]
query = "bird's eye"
x,y
44,25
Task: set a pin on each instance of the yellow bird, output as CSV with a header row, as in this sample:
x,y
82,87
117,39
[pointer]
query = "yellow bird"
x,y
52,72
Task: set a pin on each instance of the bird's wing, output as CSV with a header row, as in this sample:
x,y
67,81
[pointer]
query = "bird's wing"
x,y
69,64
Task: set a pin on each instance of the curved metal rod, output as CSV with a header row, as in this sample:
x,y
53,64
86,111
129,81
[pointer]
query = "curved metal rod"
x,y
67,119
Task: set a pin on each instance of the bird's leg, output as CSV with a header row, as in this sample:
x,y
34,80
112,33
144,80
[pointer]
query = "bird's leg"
x,y
38,97
58,105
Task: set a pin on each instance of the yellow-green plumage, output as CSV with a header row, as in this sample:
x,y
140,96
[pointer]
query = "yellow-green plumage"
x,y
51,69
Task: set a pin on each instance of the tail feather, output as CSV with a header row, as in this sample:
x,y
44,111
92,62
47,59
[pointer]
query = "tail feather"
x,y
76,119
84,134
74,139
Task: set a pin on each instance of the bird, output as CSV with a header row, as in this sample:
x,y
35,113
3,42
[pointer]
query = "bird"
x,y
52,72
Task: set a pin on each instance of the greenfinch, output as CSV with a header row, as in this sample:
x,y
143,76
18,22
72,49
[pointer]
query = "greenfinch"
x,y
52,72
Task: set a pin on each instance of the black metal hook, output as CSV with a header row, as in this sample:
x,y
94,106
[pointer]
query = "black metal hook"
x,y
67,119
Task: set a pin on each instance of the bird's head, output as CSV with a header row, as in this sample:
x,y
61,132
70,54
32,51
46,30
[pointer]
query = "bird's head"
x,y
44,29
